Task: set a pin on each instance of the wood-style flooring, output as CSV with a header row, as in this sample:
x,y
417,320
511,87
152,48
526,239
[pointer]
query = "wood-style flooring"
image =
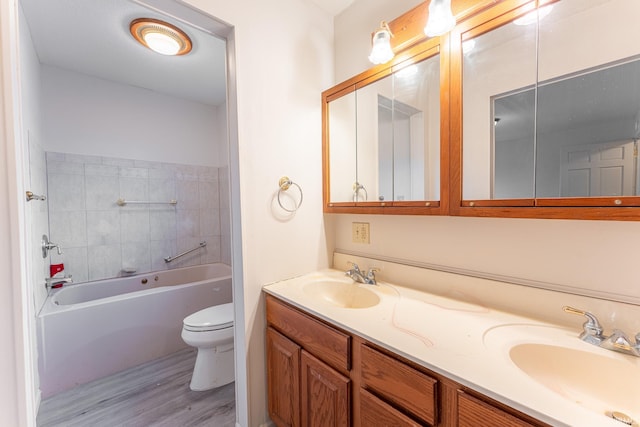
x,y
153,394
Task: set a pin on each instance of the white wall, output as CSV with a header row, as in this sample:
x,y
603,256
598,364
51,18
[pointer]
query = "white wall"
x,y
283,63
16,392
92,116
597,257
34,171
354,28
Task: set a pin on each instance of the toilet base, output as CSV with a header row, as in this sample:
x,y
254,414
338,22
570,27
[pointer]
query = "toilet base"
x,y
214,368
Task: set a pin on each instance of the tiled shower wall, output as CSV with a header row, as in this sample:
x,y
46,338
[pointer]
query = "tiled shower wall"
x,y
101,239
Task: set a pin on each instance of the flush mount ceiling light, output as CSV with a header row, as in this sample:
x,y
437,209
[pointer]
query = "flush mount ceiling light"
x,y
381,51
160,36
440,18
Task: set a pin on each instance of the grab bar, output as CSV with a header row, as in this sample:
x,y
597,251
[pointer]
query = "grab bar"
x,y
173,258
122,202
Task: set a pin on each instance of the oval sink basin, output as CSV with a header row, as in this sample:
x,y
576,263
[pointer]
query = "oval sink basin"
x,y
601,383
342,294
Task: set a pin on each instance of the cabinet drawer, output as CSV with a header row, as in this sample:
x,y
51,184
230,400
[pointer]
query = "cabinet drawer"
x,y
474,412
326,343
400,384
375,412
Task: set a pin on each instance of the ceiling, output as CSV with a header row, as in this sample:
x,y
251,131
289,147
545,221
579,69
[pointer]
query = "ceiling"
x,y
333,7
92,37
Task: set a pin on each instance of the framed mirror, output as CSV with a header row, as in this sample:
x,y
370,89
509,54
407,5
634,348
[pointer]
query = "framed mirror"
x,y
343,160
550,110
382,136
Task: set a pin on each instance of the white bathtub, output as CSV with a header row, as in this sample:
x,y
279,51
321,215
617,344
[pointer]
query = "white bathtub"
x,y
90,330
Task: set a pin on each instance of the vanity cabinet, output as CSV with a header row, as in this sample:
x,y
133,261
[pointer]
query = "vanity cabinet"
x,y
308,365
399,384
473,412
321,376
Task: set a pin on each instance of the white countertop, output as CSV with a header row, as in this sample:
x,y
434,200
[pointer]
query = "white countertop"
x,y
465,342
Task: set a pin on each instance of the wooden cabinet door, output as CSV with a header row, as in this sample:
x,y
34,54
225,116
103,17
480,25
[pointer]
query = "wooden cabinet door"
x,y
326,400
283,379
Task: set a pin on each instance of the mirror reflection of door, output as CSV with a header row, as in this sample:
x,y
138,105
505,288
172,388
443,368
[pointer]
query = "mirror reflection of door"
x,y
598,170
401,151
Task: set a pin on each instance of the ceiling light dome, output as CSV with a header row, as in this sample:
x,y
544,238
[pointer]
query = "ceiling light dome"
x,y
160,36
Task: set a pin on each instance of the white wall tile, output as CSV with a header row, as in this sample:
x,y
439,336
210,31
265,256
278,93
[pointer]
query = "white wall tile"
x,y
103,228
102,192
136,255
162,224
65,167
68,229
82,159
211,252
104,261
210,222
101,238
187,194
188,223
159,250
75,263
66,192
194,258
209,194
162,190
127,163
225,249
100,169
134,226
133,172
136,189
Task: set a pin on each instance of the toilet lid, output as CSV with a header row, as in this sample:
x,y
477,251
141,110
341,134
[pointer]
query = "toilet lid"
x,y
211,318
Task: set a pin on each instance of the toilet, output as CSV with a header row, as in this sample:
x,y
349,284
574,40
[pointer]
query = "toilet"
x,y
211,331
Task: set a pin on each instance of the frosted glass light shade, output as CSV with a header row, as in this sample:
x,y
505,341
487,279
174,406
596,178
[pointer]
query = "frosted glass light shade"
x,y
440,18
381,51
161,43
160,36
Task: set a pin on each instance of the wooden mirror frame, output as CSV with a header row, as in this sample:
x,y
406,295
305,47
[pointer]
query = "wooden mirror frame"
x,y
412,55
474,18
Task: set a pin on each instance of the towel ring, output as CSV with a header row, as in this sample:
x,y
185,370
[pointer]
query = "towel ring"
x,y
285,183
357,187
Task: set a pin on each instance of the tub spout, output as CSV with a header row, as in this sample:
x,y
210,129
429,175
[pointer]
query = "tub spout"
x,y
56,282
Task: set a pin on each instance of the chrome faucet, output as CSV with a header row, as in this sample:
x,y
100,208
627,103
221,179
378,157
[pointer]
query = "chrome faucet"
x,y
53,281
357,275
592,333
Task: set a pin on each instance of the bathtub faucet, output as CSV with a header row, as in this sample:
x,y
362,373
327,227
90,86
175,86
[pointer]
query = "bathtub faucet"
x,y
53,281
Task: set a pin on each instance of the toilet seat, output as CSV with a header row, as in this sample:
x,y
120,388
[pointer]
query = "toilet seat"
x,y
210,319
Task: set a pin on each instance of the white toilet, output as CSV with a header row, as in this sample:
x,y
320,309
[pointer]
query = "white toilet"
x,y
211,331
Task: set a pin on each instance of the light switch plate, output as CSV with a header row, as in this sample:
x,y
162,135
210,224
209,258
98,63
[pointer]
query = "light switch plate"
x,y
360,232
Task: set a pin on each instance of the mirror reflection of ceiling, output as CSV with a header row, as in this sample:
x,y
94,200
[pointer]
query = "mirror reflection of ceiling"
x,y
603,96
92,37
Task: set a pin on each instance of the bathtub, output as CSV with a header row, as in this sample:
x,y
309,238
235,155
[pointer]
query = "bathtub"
x,y
90,330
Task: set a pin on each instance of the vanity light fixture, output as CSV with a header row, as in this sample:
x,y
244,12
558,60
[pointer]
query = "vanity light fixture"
x,y
381,51
440,18
534,16
160,36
